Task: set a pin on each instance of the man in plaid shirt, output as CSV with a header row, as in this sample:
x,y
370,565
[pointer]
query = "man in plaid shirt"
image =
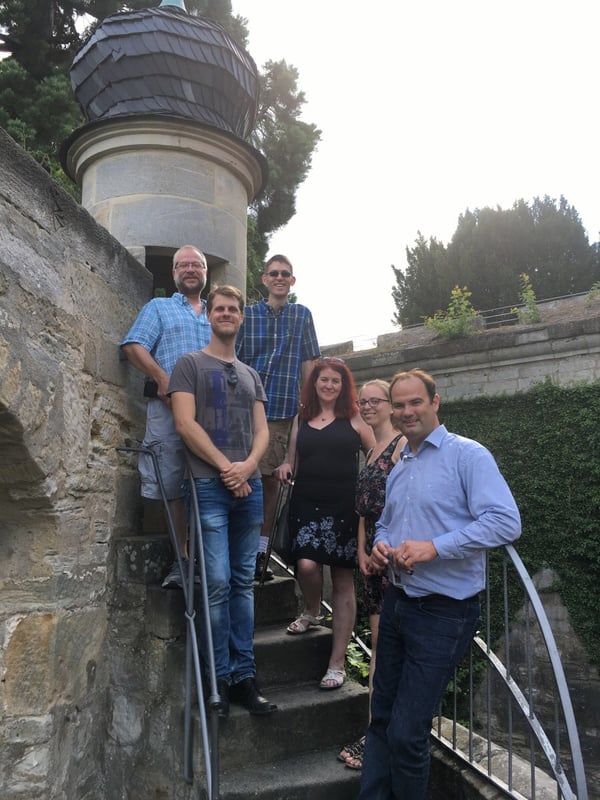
x,y
278,340
165,329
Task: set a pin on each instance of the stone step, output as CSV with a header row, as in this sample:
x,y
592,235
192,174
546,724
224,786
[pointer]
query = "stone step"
x,y
143,559
146,559
283,659
307,719
313,775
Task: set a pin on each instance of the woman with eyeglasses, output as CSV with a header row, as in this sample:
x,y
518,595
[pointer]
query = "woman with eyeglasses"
x,y
375,406
325,441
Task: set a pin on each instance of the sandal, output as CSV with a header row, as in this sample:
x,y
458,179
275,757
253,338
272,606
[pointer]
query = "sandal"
x,y
332,679
355,753
349,750
303,624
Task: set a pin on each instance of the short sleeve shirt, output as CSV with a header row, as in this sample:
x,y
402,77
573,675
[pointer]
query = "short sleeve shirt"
x,y
168,327
225,412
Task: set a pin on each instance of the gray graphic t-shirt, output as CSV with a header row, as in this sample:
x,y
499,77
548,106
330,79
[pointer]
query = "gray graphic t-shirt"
x,y
224,405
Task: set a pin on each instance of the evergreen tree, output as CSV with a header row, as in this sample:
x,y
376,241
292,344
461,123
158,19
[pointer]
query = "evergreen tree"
x,y
489,251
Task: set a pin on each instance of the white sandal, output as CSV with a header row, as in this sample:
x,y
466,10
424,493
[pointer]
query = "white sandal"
x,y
303,624
333,679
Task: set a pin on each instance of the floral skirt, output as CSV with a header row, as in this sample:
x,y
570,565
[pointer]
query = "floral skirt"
x,y
324,532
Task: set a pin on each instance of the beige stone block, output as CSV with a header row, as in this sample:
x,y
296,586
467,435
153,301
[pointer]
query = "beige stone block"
x,y
52,659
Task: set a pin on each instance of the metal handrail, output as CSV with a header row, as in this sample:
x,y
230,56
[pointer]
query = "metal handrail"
x,y
521,699
210,737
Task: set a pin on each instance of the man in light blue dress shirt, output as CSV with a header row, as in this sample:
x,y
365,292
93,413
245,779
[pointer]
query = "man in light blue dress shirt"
x,y
446,504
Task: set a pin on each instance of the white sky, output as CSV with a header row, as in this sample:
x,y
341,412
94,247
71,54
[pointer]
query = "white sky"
x,y
427,108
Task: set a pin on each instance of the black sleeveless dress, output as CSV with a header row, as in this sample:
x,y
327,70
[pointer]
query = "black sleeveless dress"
x,y
323,519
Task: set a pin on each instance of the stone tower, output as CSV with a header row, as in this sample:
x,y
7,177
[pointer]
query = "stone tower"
x,y
163,158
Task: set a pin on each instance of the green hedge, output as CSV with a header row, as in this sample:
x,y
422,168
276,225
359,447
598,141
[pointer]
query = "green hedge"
x,y
547,444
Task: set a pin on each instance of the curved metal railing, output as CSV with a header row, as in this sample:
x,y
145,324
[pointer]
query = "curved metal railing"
x,y
531,756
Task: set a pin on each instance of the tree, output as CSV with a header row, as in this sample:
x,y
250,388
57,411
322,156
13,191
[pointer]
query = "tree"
x,y
424,285
490,250
38,110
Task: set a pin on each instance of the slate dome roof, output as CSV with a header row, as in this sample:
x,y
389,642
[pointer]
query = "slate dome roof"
x,y
164,61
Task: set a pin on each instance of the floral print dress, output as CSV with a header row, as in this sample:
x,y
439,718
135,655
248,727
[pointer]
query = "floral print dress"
x,y
370,499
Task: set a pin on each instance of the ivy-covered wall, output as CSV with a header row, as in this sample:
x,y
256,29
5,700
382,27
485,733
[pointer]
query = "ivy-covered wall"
x,y
547,444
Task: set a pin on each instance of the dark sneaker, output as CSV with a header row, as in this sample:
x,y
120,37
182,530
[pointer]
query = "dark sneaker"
x,y
247,694
258,571
173,578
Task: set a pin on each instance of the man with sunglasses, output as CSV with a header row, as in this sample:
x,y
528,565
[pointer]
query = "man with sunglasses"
x,y
166,328
219,410
278,339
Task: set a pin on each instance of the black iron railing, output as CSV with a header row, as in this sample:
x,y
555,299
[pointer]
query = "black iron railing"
x,y
195,598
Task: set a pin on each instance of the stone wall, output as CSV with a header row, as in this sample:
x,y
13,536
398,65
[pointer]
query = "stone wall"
x,y
68,291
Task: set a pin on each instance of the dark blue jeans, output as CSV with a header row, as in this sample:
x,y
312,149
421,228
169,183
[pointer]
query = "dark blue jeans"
x,y
420,642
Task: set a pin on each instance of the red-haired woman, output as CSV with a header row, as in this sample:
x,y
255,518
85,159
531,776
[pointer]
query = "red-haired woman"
x,y
326,437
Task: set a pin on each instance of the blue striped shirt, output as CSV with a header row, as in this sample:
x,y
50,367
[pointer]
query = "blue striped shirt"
x,y
168,327
275,345
450,492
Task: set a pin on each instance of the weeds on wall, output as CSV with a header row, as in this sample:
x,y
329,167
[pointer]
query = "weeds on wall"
x,y
593,294
459,317
529,312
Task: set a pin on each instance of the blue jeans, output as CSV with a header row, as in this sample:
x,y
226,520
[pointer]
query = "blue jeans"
x,y
230,534
420,642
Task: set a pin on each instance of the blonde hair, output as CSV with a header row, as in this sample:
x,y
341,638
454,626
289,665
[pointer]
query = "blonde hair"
x,y
381,384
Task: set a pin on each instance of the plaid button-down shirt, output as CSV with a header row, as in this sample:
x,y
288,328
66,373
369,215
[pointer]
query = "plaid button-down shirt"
x,y
168,327
276,345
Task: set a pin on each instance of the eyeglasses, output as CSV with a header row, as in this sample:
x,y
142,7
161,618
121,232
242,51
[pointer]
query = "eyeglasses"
x,y
275,273
374,402
192,264
332,359
232,376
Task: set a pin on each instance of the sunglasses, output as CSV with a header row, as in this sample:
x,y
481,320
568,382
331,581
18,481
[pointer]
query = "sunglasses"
x,y
275,273
232,376
332,360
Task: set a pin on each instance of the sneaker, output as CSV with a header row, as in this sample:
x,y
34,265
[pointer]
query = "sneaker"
x,y
258,571
173,578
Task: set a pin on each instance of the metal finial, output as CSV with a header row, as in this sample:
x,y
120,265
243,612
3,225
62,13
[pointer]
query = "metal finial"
x,y
177,3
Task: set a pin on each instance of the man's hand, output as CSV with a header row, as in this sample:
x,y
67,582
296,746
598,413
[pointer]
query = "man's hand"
x,y
235,476
379,558
243,491
412,552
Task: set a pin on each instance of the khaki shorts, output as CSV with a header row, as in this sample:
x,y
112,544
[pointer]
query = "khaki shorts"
x,y
279,433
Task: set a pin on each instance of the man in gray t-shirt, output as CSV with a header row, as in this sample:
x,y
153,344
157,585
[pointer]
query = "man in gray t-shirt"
x,y
219,410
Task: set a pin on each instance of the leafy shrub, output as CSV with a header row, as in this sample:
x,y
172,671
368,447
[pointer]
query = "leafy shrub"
x,y
458,319
530,312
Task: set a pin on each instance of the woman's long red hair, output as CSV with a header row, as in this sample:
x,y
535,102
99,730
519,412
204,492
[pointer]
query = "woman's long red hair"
x,y
346,405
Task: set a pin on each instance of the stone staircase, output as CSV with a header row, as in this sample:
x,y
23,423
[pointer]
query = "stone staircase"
x,y
288,755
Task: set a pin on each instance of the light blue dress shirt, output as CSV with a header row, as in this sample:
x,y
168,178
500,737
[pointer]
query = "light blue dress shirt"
x,y
450,492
